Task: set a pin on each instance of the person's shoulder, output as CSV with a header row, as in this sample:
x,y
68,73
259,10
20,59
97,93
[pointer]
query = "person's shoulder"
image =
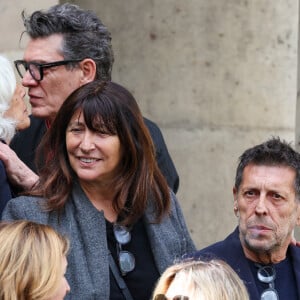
x,y
153,127
24,207
174,202
294,251
211,250
220,249
26,201
174,214
150,123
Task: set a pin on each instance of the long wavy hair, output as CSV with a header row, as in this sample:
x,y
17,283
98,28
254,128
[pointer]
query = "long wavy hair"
x,y
109,108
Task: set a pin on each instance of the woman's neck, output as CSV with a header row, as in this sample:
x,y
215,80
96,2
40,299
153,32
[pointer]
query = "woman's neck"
x,y
102,198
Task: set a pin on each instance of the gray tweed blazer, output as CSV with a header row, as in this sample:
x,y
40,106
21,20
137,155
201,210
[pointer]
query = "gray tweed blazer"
x,y
84,225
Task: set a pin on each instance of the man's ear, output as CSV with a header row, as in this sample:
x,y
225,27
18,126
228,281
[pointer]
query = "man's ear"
x,y
235,204
88,69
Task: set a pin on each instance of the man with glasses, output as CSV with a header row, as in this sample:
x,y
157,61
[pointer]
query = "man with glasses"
x,y
68,47
267,205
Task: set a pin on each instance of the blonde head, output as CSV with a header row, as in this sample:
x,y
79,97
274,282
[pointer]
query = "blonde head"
x,y
204,280
31,258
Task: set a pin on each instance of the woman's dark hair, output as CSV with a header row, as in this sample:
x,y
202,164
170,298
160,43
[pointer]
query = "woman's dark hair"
x,y
109,108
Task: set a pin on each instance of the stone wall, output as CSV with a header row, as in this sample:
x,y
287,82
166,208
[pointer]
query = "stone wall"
x,y
11,25
218,77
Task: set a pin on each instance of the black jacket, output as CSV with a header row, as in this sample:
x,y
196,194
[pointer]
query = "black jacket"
x,y
5,192
230,250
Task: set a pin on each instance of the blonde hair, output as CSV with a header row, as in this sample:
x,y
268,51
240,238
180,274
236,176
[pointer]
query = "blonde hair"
x,y
30,260
7,88
209,280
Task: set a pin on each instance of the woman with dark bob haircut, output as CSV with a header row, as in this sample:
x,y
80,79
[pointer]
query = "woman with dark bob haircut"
x,y
101,187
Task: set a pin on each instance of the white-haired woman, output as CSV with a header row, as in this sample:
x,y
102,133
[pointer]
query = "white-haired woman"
x,y
13,109
13,116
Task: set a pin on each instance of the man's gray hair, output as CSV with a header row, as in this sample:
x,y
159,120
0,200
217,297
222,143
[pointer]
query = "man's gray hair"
x,y
273,152
84,35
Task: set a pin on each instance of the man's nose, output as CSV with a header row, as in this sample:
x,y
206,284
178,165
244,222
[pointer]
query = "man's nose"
x,y
28,80
261,207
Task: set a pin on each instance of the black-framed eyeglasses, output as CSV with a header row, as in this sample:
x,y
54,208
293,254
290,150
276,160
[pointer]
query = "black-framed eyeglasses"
x,y
36,70
163,297
267,274
126,259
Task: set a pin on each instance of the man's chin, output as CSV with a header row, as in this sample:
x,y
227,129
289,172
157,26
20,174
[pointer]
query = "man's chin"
x,y
258,245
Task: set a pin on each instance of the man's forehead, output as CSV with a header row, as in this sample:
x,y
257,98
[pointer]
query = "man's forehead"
x,y
268,174
253,167
44,49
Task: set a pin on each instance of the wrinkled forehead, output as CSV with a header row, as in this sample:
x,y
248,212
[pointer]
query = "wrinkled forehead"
x,y
266,170
280,178
44,49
